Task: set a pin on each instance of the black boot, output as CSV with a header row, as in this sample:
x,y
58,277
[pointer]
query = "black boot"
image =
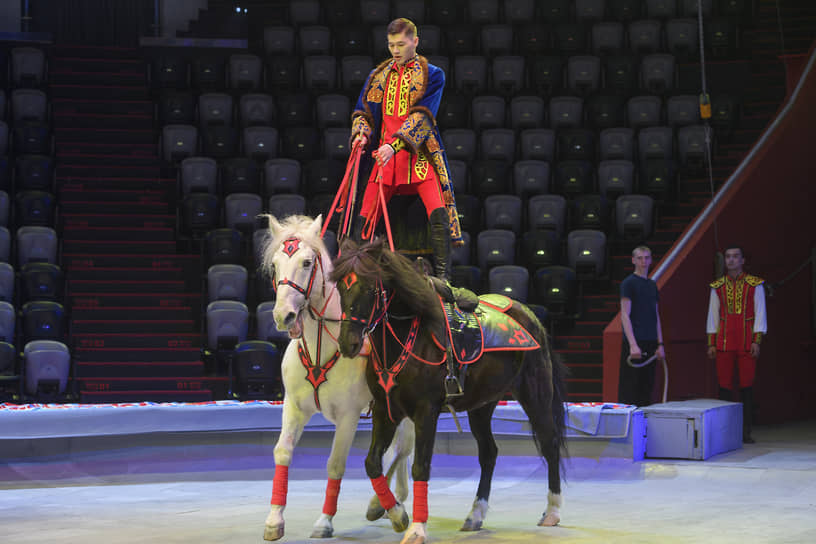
x,y
441,247
747,395
724,394
357,229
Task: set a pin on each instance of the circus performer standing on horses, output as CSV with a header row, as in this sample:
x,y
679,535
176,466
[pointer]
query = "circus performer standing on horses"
x,y
395,118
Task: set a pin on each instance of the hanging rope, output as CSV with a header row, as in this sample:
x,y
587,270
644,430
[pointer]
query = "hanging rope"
x,y
705,115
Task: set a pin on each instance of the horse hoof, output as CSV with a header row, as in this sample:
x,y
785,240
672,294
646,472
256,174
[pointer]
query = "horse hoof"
x,y
322,532
375,512
399,518
471,525
549,520
273,533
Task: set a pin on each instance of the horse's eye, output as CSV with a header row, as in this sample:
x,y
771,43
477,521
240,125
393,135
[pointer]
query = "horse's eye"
x,y
307,263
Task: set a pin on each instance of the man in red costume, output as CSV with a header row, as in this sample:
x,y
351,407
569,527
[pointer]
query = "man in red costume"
x,y
735,326
396,114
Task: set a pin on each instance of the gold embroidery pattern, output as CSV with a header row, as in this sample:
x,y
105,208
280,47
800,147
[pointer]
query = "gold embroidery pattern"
x,y
391,93
360,125
405,89
419,78
375,94
738,295
415,130
432,144
421,166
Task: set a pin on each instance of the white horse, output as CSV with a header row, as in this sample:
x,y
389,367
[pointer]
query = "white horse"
x,y
315,377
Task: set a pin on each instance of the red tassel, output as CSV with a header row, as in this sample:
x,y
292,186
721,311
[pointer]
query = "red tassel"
x,y
280,485
420,502
380,485
332,492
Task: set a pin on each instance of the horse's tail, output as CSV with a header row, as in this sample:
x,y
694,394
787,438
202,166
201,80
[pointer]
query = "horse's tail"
x,y
558,373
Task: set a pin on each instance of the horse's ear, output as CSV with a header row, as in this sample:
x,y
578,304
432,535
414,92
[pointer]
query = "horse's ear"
x,y
316,226
274,225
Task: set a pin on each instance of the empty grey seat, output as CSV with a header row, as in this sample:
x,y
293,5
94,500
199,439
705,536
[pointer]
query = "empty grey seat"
x,y
245,72
5,245
661,8
547,212
320,73
655,143
461,255
227,323
284,205
503,212
470,74
607,37
375,12
508,74
47,365
4,134
460,144
519,11
215,109
645,36
494,248
6,298
586,253
483,11
634,217
2,105
354,71
281,176
35,243
487,112
566,111
4,209
413,10
336,143
496,39
617,143
615,178
509,280
527,112
279,40
257,109
304,12
227,282
531,178
583,74
692,146
458,172
644,111
689,8
198,174
498,144
178,142
240,210
332,110
443,62
681,38
28,67
589,10
537,144
657,73
28,105
682,110
260,143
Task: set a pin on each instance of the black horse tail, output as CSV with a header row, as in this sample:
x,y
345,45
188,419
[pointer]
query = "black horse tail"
x,y
558,373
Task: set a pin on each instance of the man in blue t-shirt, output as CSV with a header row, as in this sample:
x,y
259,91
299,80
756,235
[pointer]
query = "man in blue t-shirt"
x,y
642,336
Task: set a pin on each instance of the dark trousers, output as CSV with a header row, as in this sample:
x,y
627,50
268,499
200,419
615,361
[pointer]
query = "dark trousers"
x,y
635,384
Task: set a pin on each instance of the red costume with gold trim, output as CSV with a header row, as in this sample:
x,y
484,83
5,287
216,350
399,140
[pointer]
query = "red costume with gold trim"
x,y
736,319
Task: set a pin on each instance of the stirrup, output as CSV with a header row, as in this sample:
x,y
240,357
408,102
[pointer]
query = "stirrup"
x,y
452,386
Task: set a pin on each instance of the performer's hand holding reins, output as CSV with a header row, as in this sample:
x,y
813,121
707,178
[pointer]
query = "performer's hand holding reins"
x,y
360,140
383,154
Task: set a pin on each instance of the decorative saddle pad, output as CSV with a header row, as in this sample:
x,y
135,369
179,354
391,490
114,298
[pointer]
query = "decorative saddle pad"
x,y
489,328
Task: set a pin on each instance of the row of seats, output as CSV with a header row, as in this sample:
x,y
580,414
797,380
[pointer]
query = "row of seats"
x,y
23,67
678,36
471,74
452,12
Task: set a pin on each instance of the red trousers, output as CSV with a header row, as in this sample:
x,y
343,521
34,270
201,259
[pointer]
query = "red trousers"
x,y
429,191
727,361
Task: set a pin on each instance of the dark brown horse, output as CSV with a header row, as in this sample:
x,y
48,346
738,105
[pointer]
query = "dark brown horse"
x,y
386,300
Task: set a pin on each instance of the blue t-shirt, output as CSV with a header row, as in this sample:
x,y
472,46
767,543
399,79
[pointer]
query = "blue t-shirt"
x,y
643,314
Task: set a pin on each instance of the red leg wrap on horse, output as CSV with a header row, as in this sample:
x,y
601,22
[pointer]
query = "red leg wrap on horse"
x,y
420,502
380,485
332,491
280,485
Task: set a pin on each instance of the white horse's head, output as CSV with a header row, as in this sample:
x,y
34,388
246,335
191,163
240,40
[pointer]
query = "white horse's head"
x,y
296,260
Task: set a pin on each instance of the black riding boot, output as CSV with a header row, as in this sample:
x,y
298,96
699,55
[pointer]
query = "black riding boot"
x,y
357,229
724,394
747,395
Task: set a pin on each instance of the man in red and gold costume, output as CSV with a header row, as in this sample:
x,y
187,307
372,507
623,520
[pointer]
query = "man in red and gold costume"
x,y
735,326
396,114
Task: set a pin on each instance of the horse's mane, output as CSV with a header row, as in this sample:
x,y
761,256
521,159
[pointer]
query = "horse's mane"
x,y
292,226
373,260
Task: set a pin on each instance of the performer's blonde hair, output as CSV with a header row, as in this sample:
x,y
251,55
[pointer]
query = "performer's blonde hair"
x,y
641,248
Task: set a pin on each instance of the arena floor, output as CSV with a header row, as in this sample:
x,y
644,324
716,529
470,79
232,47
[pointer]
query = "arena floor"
x,y
215,488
